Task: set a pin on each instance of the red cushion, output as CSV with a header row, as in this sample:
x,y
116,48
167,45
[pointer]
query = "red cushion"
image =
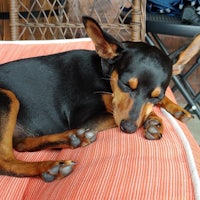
x,y
117,165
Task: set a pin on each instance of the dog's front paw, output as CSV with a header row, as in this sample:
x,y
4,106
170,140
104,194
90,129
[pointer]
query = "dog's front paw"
x,y
58,170
82,137
153,128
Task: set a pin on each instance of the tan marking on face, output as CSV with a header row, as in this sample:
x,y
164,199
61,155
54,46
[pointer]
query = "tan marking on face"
x,y
156,92
107,99
122,103
133,83
146,109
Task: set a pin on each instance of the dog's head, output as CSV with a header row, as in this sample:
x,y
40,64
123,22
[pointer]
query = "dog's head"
x,y
139,75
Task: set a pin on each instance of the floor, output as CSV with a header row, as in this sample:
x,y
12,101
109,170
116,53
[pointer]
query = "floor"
x,y
194,126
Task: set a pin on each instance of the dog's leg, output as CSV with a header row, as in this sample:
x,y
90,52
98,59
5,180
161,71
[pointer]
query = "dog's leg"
x,y
153,124
177,111
186,55
153,127
68,139
9,165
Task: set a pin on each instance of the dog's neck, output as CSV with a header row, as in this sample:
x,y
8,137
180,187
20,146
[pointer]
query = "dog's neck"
x,y
107,67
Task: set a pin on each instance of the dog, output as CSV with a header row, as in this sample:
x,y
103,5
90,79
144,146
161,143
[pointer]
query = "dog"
x,y
64,100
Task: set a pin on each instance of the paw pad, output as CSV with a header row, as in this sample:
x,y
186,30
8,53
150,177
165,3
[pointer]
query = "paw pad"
x,y
153,129
82,137
60,170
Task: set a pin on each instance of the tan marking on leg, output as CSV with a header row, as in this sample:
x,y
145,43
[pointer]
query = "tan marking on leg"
x,y
176,110
187,55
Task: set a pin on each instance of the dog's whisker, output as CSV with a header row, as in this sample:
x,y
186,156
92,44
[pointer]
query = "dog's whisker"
x,y
103,92
106,78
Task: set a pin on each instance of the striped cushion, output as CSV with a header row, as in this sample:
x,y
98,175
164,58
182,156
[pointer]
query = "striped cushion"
x,y
117,165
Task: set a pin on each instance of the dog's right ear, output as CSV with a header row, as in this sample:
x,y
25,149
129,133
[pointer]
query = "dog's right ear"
x,y
106,46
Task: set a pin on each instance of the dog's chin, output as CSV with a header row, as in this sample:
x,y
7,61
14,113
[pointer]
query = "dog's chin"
x,y
127,131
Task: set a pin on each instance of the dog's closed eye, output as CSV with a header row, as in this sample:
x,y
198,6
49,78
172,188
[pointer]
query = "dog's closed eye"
x,y
129,86
156,95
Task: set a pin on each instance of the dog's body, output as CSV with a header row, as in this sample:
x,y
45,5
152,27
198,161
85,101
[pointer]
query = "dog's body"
x,y
63,100
61,92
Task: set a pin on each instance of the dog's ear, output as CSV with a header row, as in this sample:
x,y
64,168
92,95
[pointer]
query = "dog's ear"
x,y
106,46
186,55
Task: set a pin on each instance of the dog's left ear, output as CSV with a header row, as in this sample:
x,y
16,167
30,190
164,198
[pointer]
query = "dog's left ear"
x,y
106,46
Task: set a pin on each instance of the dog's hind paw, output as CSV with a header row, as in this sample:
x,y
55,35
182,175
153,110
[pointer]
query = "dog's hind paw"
x,y
153,129
82,137
59,170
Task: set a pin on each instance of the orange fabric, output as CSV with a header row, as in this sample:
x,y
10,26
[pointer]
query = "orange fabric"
x,y
116,166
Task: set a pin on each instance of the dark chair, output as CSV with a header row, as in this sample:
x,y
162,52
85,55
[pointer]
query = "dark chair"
x,y
167,25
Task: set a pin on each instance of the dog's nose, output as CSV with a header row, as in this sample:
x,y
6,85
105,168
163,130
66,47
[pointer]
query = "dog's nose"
x,y
127,126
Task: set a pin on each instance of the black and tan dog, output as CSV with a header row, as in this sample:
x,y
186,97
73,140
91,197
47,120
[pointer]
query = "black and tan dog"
x,y
63,100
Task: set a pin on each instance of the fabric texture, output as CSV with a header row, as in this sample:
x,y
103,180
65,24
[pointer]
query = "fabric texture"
x,y
116,166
